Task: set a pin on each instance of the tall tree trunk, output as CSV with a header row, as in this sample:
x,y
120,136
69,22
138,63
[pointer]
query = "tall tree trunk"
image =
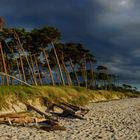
x,y
17,63
23,51
9,69
86,75
57,75
60,70
84,72
2,76
36,63
4,64
22,68
109,79
67,74
91,73
20,77
48,65
32,65
46,80
76,76
2,80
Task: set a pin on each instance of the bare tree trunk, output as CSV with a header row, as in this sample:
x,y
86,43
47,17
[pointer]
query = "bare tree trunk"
x,y
60,70
91,73
57,75
1,69
2,80
9,68
32,65
22,68
67,74
22,49
17,63
4,74
4,64
20,77
84,73
37,69
76,76
44,79
49,68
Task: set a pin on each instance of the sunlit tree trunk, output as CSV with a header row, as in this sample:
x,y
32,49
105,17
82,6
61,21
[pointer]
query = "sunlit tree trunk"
x,y
76,76
60,70
1,76
48,65
4,64
66,73
9,69
17,63
20,77
57,75
91,73
22,68
84,73
32,65
23,51
2,80
36,63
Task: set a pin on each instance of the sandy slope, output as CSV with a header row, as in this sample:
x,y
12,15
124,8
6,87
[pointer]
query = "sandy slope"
x,y
114,120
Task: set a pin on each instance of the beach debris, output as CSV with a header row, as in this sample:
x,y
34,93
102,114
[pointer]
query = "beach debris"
x,y
47,121
70,110
79,109
27,119
48,116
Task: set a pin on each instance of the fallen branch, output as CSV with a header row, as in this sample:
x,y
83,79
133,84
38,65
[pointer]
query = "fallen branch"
x,y
40,112
13,77
15,115
27,120
76,108
68,111
21,120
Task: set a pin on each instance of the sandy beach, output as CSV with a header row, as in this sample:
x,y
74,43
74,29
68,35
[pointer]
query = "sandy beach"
x,y
114,120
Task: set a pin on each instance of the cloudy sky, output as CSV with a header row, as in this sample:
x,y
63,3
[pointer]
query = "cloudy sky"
x,y
109,28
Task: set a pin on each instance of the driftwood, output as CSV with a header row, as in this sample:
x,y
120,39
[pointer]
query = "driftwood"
x,y
40,112
76,108
16,115
68,111
39,123
21,119
49,126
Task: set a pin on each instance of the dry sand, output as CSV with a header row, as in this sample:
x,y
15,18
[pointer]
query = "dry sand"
x,y
114,120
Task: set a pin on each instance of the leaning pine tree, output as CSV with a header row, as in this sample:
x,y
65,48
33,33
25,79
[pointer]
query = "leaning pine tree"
x,y
2,53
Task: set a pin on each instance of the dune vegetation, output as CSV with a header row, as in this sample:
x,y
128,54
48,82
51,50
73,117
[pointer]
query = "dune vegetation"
x,y
46,95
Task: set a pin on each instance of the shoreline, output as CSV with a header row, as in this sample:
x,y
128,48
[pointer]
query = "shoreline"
x,y
118,119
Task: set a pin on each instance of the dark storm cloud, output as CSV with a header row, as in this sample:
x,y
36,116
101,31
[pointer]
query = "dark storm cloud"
x,y
109,28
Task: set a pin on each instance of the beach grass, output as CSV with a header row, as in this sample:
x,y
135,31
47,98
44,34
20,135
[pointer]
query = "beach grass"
x,y
55,94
